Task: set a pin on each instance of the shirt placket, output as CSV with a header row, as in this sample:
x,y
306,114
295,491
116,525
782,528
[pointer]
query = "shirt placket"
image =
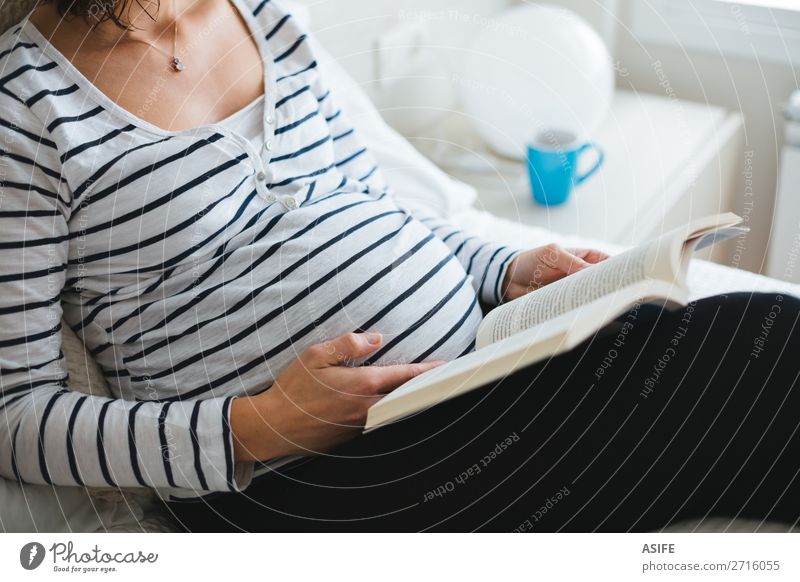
x,y
264,172
262,158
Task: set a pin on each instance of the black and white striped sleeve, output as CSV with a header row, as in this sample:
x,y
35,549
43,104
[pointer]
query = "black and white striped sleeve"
x,y
486,261
49,434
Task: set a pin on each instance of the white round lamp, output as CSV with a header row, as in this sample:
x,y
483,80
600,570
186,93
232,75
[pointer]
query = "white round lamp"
x,y
536,68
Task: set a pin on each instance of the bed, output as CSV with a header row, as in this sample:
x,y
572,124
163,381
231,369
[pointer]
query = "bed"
x,y
28,508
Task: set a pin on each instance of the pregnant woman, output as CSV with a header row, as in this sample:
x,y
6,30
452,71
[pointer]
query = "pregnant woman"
x,y
181,186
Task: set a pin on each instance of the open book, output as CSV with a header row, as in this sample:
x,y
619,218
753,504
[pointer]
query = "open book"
x,y
561,315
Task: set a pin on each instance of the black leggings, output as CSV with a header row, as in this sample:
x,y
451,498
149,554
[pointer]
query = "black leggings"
x,y
661,417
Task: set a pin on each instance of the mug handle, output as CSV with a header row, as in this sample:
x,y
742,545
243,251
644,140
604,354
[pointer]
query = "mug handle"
x,y
601,156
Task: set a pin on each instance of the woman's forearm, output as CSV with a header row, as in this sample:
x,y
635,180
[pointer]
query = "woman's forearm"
x,y
255,435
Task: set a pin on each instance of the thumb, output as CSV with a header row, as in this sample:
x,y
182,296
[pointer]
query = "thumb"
x,y
394,376
569,263
349,346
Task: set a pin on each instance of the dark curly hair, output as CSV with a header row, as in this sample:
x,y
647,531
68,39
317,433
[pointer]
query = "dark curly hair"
x,y
115,11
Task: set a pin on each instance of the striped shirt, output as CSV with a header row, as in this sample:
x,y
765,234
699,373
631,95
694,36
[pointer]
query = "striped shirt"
x,y
197,264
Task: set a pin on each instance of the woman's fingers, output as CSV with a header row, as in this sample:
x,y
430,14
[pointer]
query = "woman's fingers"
x,y
341,350
392,377
352,346
380,380
589,255
563,260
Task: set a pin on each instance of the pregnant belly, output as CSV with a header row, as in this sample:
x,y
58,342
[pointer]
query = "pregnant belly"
x,y
323,273
389,274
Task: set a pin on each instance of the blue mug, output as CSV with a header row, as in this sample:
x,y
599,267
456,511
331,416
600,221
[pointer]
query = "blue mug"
x,y
553,159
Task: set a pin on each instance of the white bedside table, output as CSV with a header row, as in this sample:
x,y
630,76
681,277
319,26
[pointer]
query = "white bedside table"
x,y
666,162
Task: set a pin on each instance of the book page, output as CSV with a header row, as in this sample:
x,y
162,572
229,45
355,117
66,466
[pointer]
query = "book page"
x,y
567,294
665,258
717,236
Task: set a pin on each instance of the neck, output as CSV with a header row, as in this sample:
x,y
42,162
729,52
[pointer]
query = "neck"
x,y
149,20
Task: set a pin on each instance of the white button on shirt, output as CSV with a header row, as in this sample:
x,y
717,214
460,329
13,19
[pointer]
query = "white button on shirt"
x,y
247,123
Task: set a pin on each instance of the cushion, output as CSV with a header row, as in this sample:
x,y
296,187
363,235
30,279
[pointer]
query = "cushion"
x,y
84,372
42,508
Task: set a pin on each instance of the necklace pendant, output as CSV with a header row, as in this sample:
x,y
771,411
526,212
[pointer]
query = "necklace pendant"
x,y
177,65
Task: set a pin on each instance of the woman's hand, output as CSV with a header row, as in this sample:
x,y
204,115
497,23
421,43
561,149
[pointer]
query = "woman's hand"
x,y
317,403
541,266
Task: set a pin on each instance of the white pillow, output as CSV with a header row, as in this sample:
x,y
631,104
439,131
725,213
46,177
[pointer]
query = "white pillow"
x,y
41,508
410,175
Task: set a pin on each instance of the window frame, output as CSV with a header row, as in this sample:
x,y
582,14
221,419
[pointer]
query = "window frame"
x,y
722,27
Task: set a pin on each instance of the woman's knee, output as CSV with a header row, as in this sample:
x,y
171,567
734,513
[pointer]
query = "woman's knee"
x,y
743,312
759,330
746,302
